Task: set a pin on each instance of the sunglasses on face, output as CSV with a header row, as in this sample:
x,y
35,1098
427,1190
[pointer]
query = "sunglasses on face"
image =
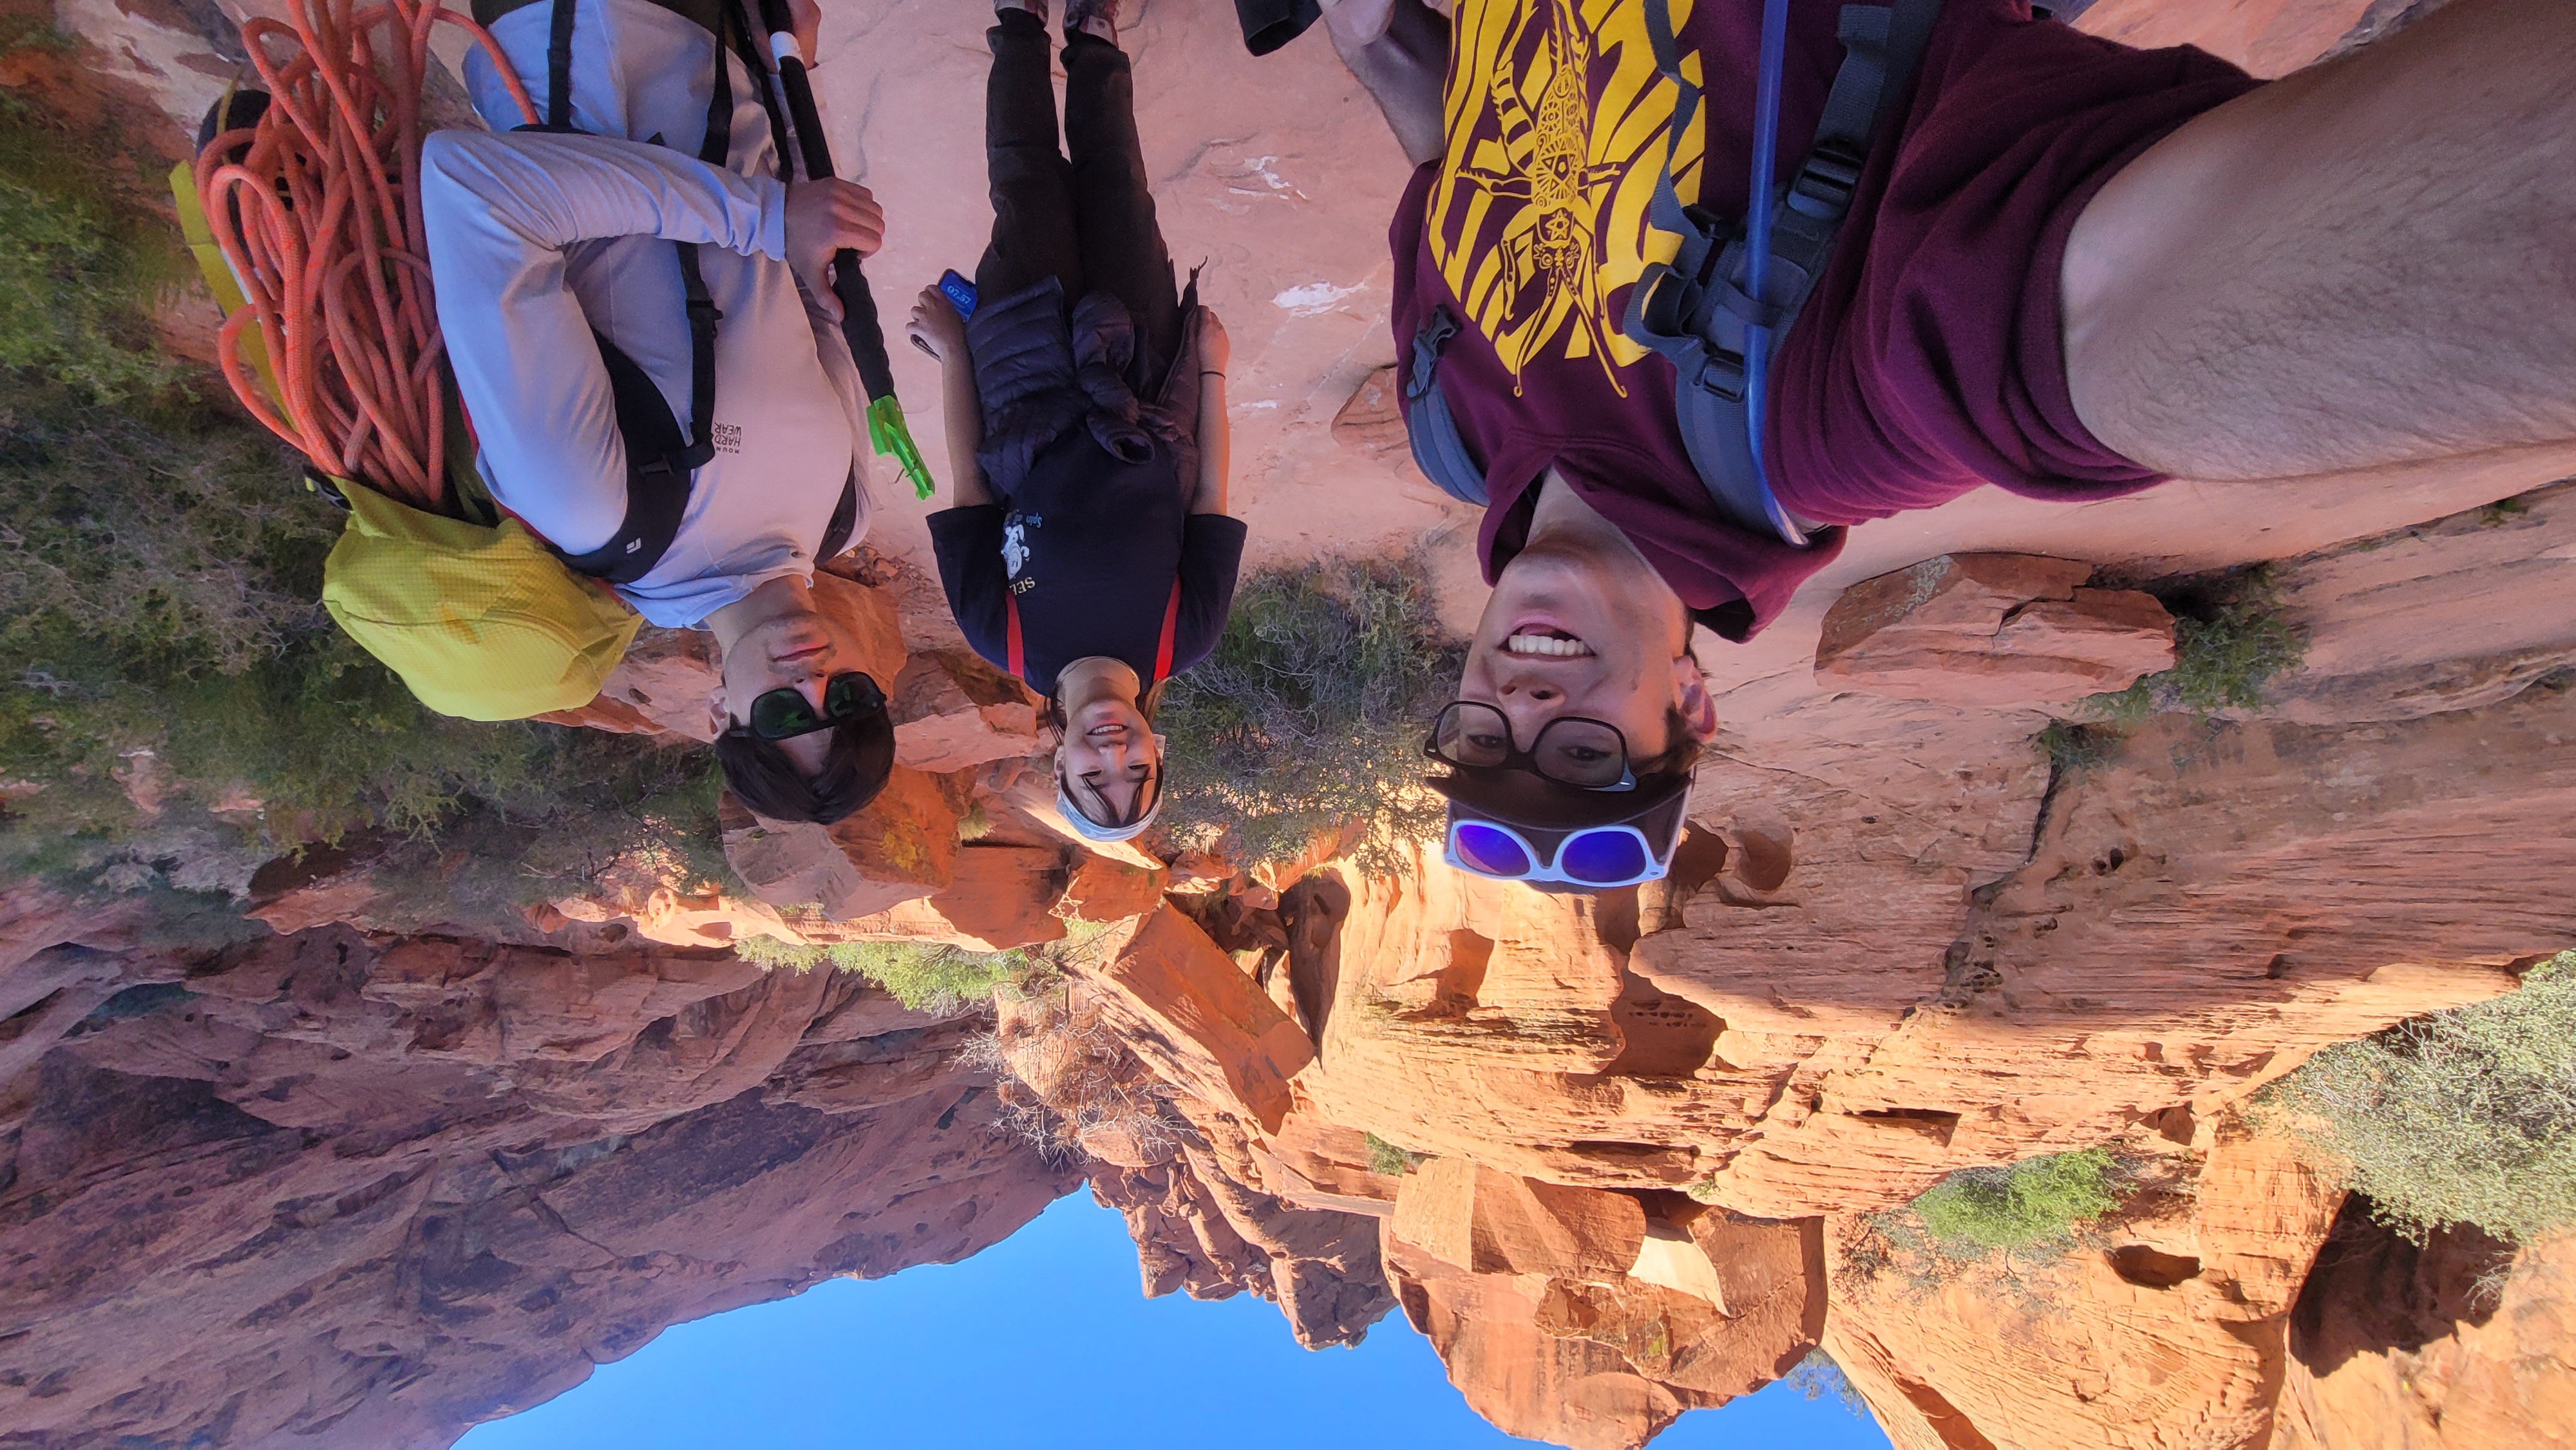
x,y
1570,749
1595,856
785,713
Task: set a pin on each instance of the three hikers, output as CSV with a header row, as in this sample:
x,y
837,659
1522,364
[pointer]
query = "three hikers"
x,y
1089,551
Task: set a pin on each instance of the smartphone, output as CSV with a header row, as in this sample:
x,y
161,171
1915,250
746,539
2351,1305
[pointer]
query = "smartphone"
x,y
960,294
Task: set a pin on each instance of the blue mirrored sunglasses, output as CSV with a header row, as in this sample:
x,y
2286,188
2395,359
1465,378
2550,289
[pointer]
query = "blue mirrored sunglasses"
x,y
1596,856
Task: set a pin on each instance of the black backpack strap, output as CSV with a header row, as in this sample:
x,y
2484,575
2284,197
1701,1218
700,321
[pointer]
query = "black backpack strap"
x,y
845,522
1700,316
660,459
559,68
1438,448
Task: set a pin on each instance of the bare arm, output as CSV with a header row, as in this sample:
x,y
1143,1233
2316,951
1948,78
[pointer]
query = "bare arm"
x,y
2362,266
1399,49
1215,354
936,327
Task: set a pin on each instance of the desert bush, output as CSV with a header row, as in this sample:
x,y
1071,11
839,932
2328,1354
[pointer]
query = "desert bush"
x,y
1311,712
2034,1201
931,977
83,255
2466,1117
2073,748
2229,644
160,576
1387,1159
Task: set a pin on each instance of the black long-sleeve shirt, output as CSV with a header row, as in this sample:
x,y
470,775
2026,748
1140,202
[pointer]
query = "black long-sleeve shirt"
x,y
1089,546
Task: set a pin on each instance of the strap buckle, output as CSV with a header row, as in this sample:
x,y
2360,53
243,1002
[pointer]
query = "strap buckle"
x,y
1663,300
1827,180
1721,371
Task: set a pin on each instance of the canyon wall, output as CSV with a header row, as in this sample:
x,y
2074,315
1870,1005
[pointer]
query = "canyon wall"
x,y
338,1189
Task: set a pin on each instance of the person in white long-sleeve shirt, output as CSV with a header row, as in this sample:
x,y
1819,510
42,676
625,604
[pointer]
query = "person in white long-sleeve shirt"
x,y
536,240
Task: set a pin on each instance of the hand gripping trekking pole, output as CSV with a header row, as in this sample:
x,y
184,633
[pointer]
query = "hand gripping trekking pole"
x,y
887,431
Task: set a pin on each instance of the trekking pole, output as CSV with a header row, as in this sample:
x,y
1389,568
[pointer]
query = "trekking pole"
x,y
887,431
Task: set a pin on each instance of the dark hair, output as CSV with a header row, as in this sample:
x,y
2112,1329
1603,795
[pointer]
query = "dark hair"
x,y
1680,752
855,768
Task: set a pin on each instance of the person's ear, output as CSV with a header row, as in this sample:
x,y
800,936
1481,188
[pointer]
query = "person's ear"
x,y
717,720
1691,695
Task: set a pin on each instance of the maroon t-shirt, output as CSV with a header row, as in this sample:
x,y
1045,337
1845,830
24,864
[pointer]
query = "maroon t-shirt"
x,y
1929,359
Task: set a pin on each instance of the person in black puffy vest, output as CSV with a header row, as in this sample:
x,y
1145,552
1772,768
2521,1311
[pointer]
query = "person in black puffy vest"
x,y
1088,550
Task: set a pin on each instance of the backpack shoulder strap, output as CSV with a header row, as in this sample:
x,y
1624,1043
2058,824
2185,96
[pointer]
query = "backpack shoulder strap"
x,y
1701,310
661,460
1439,450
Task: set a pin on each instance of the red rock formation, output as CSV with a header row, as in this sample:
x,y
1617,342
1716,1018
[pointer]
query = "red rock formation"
x,y
952,711
2168,1324
2460,1342
1992,629
416,1184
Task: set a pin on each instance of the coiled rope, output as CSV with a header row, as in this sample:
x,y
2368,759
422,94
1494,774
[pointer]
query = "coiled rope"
x,y
318,216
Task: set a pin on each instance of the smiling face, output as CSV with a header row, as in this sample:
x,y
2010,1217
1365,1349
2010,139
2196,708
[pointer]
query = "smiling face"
x,y
1109,760
797,649
1580,624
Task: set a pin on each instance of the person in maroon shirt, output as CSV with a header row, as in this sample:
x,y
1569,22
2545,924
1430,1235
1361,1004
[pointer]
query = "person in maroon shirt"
x,y
2071,270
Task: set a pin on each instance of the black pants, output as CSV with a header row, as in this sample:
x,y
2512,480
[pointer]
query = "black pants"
x,y
1087,222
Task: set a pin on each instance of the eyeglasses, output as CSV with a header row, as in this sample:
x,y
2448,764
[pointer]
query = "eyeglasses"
x,y
1594,856
785,713
1570,749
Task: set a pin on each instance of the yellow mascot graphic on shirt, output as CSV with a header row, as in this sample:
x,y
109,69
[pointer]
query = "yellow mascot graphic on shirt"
x,y
1556,134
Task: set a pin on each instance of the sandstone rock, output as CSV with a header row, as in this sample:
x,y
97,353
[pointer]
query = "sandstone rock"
x,y
1198,1021
1995,630
2172,1332
1200,1228
1492,1332
659,688
2459,1342
997,897
952,710
901,847
1106,889
2455,614
299,1150
867,615
1371,422
1494,1223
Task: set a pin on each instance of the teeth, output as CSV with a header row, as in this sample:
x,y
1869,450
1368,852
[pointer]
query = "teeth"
x,y
1541,644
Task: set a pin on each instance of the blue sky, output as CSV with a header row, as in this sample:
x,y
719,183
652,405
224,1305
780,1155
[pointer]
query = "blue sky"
x,y
1045,1340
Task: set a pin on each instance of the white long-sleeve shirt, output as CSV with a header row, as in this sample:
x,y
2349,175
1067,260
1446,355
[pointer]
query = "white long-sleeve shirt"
x,y
536,239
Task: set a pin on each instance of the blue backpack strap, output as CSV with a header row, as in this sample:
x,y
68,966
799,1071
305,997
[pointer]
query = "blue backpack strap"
x,y
1438,448
1721,325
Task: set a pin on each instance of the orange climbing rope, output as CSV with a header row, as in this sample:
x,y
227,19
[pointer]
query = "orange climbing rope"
x,y
319,220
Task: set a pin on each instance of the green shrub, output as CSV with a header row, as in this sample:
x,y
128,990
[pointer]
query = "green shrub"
x,y
1388,1160
2032,1202
1311,712
2227,649
924,976
2073,748
2463,1117
160,576
82,255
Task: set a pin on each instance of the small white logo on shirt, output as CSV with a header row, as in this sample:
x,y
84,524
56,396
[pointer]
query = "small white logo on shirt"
x,y
1015,543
